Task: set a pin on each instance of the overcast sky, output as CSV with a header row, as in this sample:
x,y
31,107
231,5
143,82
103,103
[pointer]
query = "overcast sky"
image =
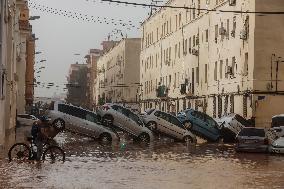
x,y
61,37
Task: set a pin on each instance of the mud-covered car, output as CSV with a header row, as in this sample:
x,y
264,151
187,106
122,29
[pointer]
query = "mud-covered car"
x,y
230,125
252,139
78,120
201,124
117,116
167,124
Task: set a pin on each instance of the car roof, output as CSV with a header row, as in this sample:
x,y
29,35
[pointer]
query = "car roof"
x,y
76,107
280,115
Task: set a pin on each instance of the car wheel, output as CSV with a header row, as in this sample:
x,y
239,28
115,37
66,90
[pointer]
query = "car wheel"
x,y
144,137
187,125
59,124
152,126
107,120
105,137
188,139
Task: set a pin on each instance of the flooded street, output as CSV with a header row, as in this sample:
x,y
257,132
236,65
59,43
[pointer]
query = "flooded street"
x,y
164,164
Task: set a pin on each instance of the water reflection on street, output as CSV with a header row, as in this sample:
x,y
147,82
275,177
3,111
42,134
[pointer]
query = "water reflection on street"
x,y
163,164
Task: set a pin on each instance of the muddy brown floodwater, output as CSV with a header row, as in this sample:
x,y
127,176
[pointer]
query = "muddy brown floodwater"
x,y
163,164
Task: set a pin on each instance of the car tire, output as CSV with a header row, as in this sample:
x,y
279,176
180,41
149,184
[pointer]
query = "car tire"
x,y
59,124
105,138
188,139
144,137
152,125
187,124
107,120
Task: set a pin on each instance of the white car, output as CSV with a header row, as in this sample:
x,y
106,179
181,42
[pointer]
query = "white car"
x,y
115,115
164,123
277,146
79,120
26,120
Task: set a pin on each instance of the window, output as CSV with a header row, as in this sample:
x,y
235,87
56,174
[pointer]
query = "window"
x,y
215,71
176,122
246,64
206,73
234,66
2,85
226,69
221,69
206,35
216,32
193,40
197,75
189,45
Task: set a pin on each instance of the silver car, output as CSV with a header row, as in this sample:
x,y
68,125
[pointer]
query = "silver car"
x,y
79,120
277,146
167,124
252,139
124,119
26,120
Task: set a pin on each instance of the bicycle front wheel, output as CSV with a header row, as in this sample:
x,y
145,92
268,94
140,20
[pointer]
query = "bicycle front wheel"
x,y
19,151
53,154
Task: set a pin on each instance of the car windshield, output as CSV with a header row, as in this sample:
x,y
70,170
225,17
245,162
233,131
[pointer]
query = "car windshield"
x,y
148,112
252,132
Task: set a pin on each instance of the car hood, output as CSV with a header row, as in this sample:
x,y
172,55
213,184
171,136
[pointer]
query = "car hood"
x,y
279,142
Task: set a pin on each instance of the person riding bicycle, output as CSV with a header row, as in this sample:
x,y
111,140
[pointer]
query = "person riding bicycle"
x,y
39,132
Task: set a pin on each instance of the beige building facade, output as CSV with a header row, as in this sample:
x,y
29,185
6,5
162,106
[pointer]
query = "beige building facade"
x,y
118,73
215,61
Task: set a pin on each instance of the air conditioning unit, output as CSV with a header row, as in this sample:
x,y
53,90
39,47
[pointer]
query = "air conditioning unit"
x,y
222,31
229,70
243,35
195,52
232,2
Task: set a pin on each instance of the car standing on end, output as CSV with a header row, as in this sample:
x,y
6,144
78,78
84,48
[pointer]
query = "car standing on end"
x,y
76,119
115,115
252,139
201,124
167,124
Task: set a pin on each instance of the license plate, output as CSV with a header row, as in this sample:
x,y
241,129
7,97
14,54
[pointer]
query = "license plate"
x,y
250,141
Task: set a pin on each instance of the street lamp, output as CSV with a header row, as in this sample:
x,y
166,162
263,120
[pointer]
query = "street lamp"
x,y
34,17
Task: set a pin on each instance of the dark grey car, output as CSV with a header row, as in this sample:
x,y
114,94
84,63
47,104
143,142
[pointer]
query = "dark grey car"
x,y
252,139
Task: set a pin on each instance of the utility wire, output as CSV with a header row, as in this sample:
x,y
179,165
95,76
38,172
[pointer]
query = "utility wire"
x,y
193,8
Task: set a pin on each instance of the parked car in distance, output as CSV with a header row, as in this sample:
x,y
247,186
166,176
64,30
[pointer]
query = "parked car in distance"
x,y
165,123
230,125
26,120
201,124
252,139
79,120
277,146
124,119
277,121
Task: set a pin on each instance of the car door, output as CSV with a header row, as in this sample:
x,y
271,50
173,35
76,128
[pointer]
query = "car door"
x,y
119,116
177,129
79,120
65,112
162,122
133,122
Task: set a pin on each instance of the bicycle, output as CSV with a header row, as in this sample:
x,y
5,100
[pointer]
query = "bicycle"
x,y
22,151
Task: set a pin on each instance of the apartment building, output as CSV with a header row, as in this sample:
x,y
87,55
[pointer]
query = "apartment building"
x,y
91,60
118,73
217,56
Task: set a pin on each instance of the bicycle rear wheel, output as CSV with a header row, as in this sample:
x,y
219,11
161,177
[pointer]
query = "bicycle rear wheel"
x,y
53,154
19,151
